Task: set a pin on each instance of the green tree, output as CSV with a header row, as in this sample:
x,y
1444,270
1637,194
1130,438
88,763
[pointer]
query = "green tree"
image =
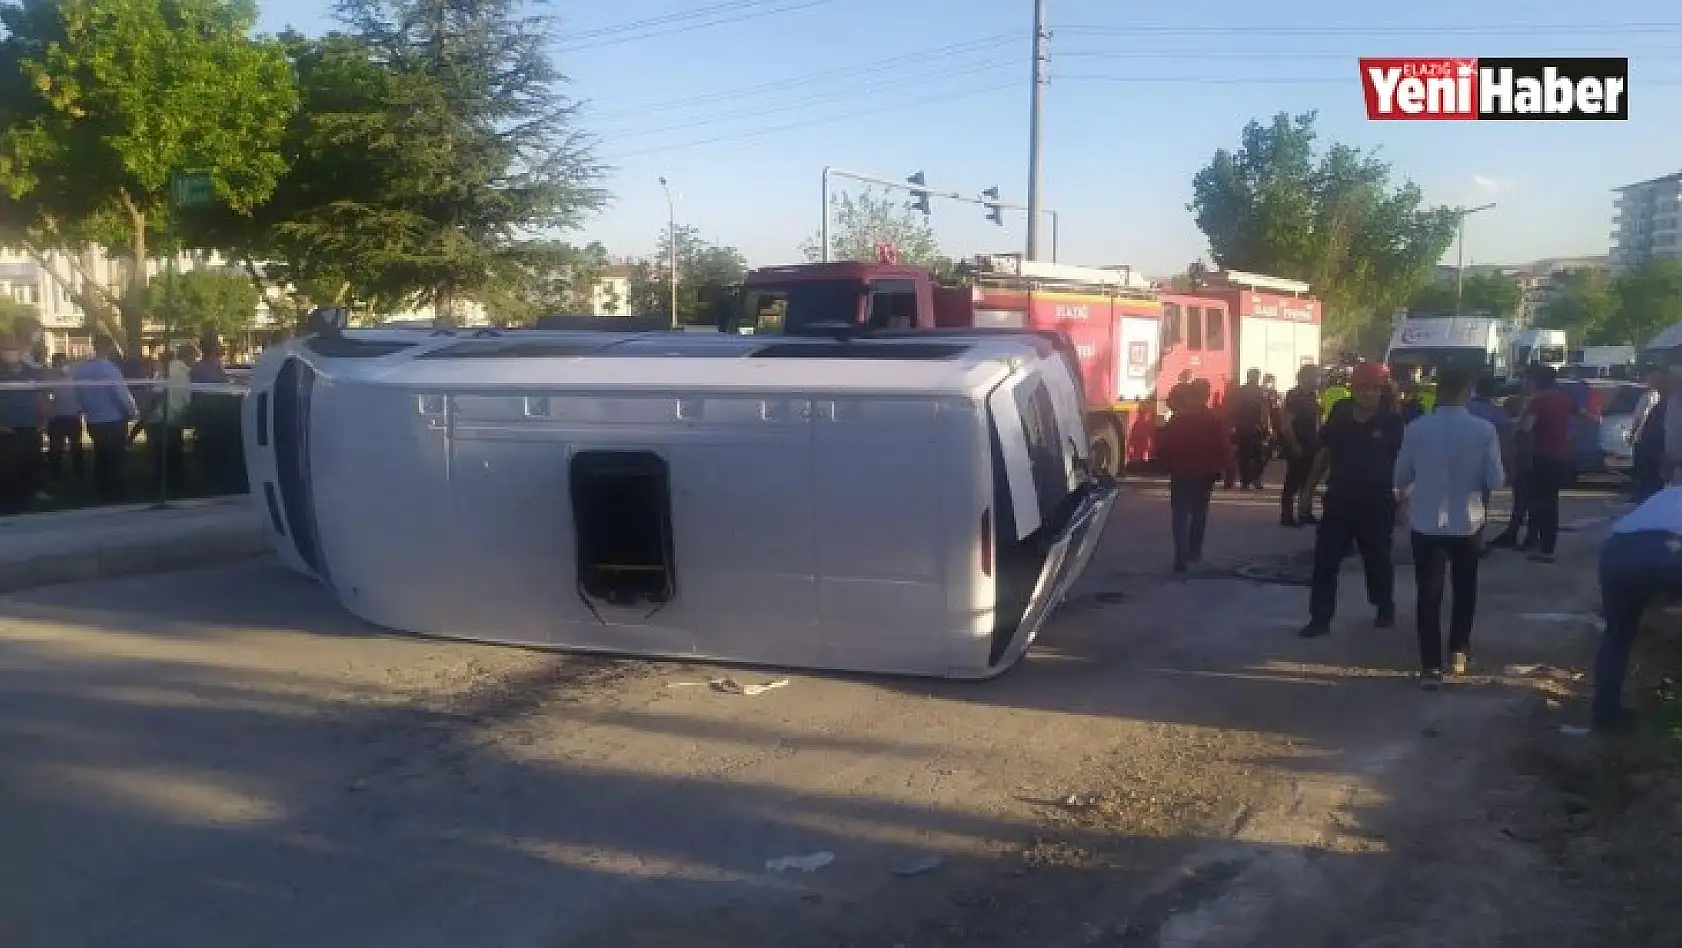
x,y
477,147
101,101
1487,293
1333,220
859,222
1649,300
702,269
548,277
1583,304
327,222
15,315
197,302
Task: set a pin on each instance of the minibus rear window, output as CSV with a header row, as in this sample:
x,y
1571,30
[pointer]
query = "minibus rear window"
x,y
1045,450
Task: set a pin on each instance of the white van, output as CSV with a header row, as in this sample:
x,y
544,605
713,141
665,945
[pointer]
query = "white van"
x,y
906,505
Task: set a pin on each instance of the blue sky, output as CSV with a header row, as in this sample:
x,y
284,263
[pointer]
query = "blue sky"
x,y
741,116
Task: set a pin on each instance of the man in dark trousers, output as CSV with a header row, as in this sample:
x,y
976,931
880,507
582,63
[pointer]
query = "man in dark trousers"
x,y
1646,436
1250,430
1357,457
1299,429
21,409
1449,466
1547,420
1194,448
1640,567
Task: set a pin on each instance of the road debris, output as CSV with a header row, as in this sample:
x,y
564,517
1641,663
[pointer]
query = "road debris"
x,y
731,686
919,867
808,863
1541,671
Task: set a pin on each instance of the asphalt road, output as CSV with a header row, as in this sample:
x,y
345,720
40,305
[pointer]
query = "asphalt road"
x,y
223,758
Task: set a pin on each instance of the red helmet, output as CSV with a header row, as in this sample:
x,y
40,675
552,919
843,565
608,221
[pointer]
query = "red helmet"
x,y
1370,375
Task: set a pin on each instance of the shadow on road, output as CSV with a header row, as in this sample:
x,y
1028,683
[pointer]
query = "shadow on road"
x,y
187,767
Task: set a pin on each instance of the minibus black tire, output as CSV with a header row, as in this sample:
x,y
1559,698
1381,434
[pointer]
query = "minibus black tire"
x,y
1109,443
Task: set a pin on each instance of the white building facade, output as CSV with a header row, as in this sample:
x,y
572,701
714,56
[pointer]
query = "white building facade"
x,y
1647,222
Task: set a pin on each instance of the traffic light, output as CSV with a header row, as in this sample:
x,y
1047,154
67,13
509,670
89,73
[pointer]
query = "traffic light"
x,y
919,194
995,212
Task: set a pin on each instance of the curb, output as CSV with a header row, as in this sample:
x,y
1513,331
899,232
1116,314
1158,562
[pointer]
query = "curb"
x,y
92,550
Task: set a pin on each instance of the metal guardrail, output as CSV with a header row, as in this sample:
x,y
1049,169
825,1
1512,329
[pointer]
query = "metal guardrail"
x,y
169,448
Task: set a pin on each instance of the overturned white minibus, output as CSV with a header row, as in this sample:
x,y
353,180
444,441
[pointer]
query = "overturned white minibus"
x,y
903,505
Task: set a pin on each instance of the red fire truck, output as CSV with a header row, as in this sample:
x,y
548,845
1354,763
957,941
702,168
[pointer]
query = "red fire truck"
x,y
1133,341
1111,317
1230,323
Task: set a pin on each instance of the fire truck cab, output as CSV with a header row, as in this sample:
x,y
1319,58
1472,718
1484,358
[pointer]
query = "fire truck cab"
x,y
1109,316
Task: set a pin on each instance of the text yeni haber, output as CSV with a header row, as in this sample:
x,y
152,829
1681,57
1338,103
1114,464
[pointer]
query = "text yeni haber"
x,y
1528,89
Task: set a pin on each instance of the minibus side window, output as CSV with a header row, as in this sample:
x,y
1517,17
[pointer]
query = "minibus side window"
x,y
622,521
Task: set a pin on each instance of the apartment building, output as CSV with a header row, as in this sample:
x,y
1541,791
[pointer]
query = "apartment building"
x,y
611,296
1647,222
47,283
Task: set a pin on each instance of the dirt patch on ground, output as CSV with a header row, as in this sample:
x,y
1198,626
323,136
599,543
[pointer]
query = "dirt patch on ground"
x,y
1608,810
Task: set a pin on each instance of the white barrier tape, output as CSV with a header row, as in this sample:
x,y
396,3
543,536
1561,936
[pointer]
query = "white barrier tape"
x,y
222,388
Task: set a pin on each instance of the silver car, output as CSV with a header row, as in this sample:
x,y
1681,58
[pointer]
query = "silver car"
x,y
1617,416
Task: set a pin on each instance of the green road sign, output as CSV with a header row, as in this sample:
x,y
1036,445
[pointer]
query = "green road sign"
x,y
191,189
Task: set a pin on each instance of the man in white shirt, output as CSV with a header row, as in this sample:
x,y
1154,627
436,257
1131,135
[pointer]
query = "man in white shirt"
x,y
1641,560
1449,463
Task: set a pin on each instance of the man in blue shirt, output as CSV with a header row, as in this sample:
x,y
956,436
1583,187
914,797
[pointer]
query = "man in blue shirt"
x,y
1641,560
108,407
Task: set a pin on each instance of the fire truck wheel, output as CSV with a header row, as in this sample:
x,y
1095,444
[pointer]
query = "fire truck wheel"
x,y
1108,445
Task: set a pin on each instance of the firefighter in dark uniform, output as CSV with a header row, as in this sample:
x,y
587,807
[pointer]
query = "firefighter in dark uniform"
x,y
1357,456
1299,429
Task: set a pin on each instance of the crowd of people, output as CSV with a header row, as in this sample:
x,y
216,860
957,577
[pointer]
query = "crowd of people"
x,y
1391,452
69,425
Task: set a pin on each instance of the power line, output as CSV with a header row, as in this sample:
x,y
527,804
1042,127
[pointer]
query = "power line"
x,y
849,73
1193,55
827,98
748,135
1553,29
632,36
824,120
662,19
1266,80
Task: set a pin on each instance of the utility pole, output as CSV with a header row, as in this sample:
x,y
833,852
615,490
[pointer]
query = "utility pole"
x,y
1460,262
671,233
1042,55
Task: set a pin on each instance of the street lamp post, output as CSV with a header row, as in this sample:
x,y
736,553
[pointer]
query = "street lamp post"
x,y
1460,262
671,244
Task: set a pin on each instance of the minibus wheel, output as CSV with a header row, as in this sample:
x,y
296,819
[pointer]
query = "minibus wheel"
x,y
1108,446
